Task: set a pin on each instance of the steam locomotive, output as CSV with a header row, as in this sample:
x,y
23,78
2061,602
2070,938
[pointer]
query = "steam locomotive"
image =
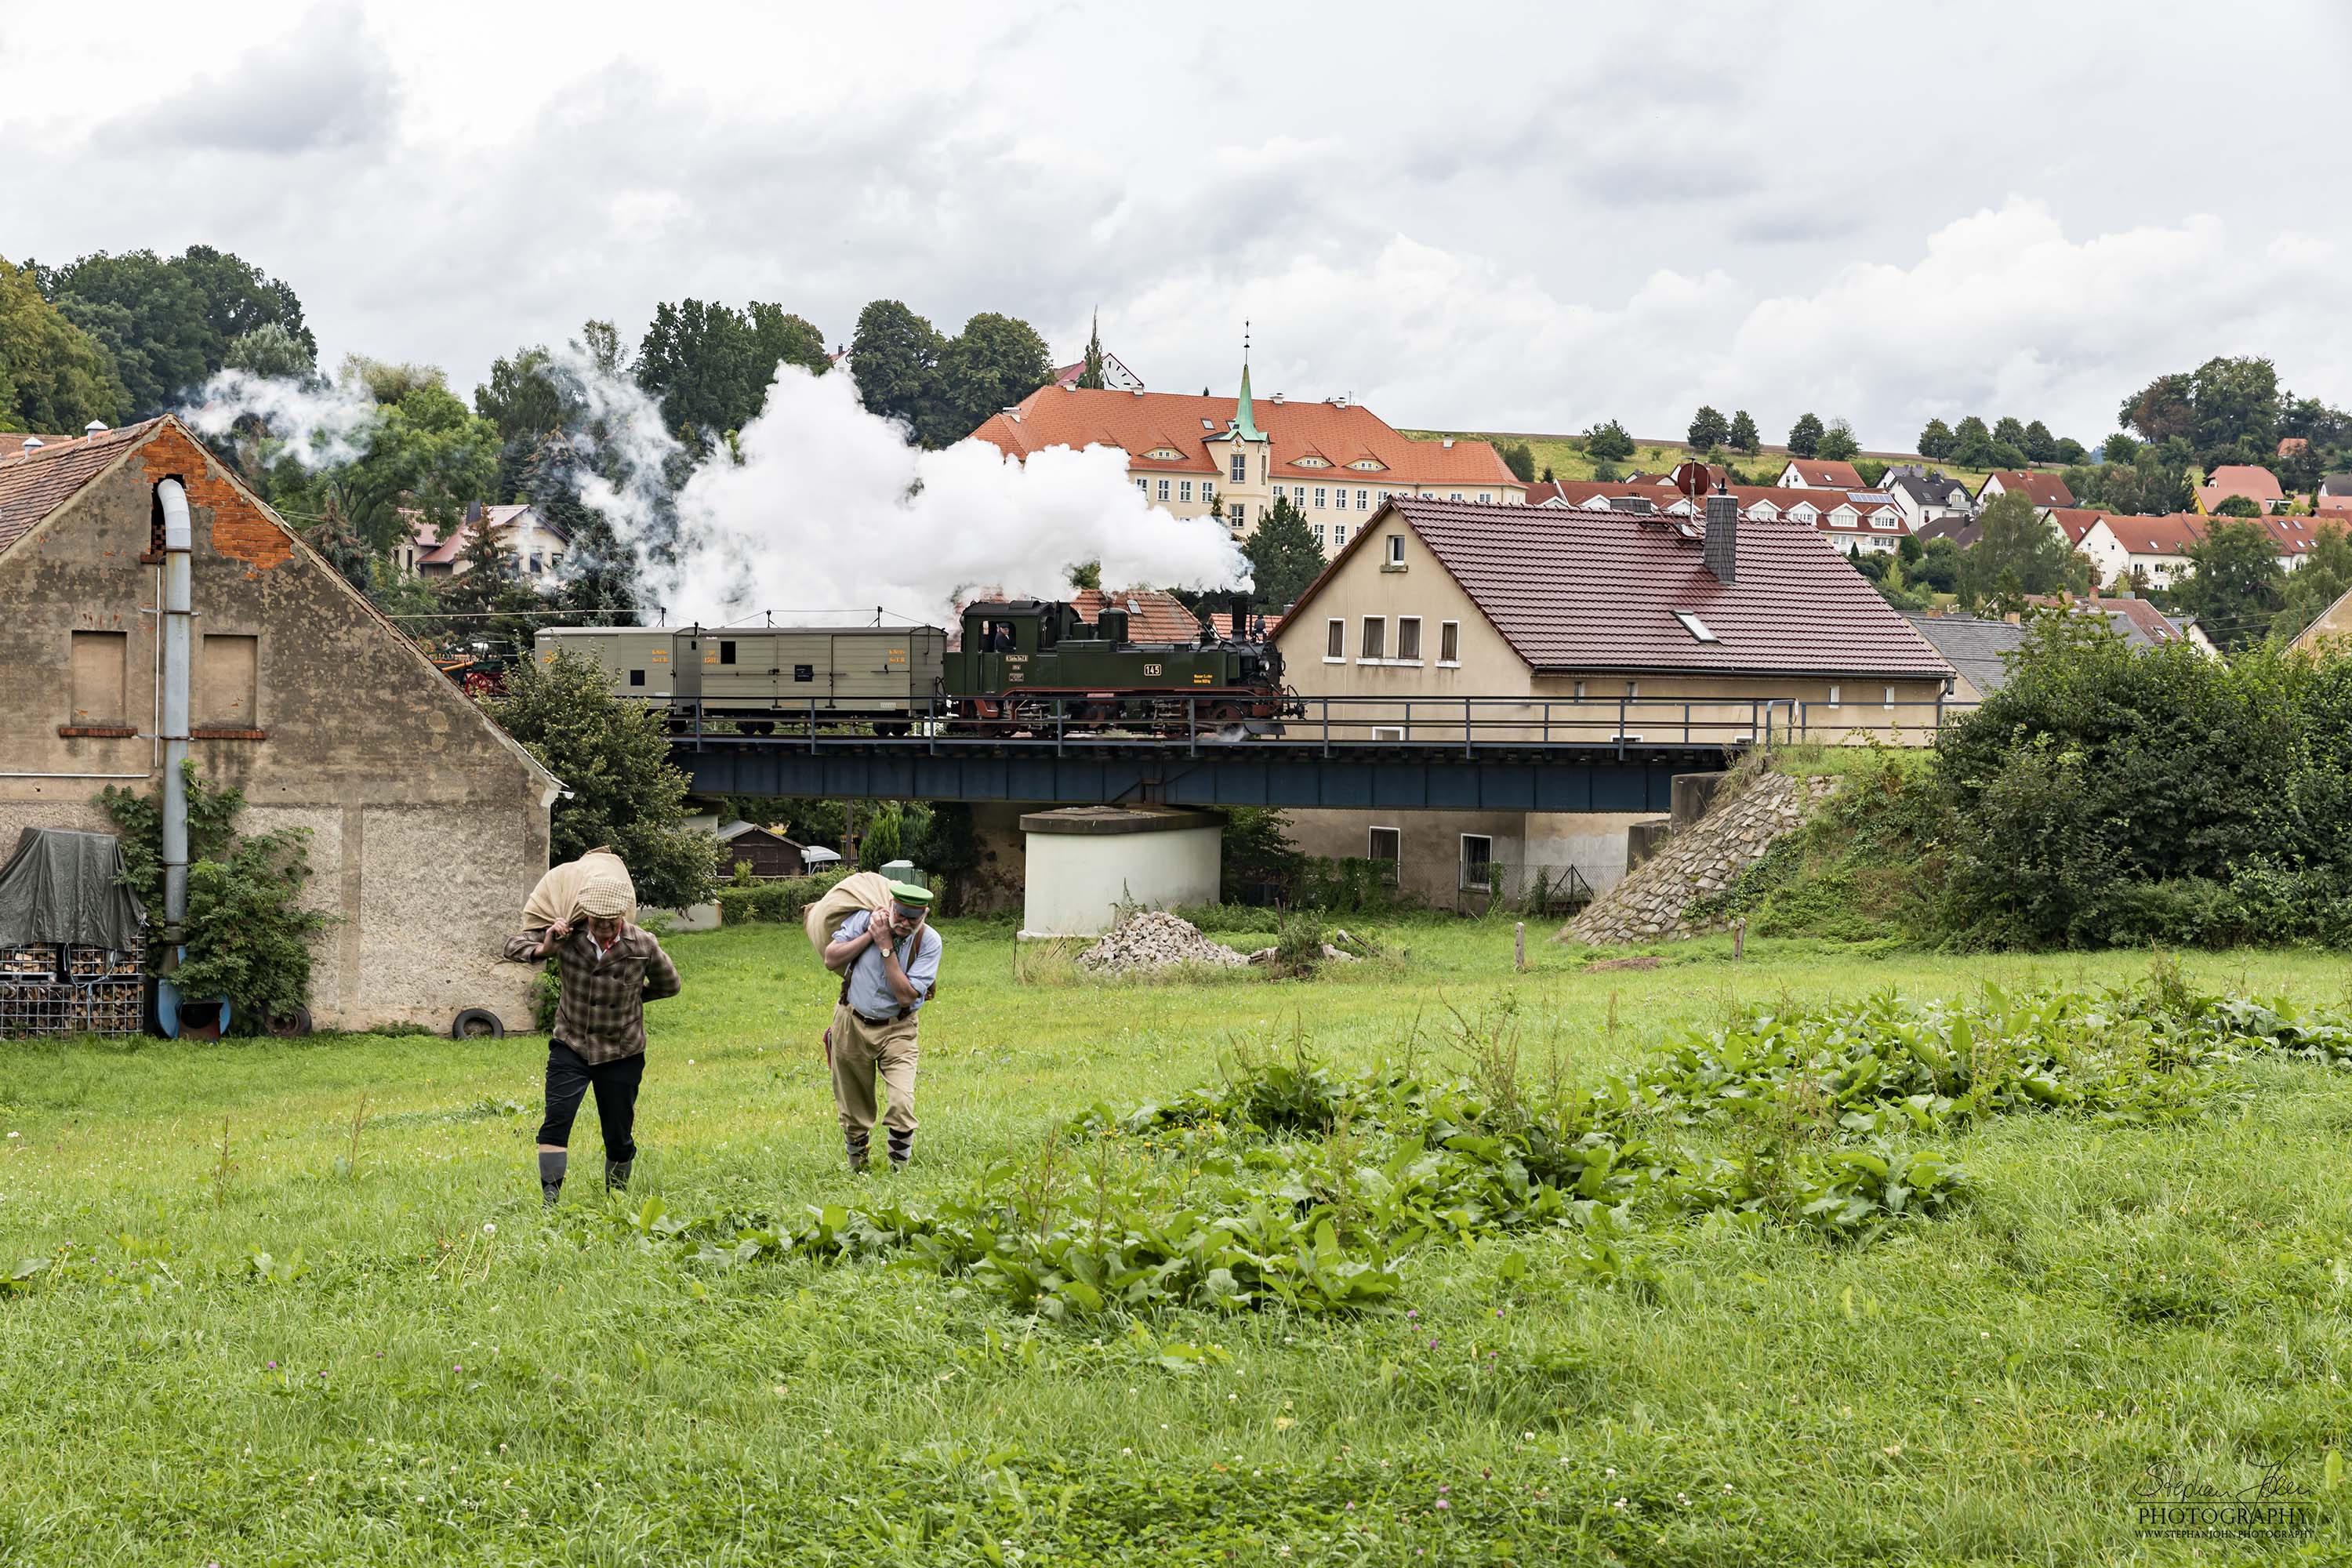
x,y
1024,666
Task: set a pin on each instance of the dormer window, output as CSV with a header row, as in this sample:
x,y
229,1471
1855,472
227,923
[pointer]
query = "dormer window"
x,y
1165,454
1369,465
1313,463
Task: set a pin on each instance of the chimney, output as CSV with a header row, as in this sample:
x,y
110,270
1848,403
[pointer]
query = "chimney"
x,y
1278,397
95,427
34,443
1721,550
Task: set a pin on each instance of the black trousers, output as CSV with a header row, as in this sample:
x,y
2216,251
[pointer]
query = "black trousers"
x,y
568,1078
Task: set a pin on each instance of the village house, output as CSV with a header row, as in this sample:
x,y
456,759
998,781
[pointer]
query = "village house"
x,y
535,544
2331,632
428,824
2259,486
1819,473
1858,523
1233,458
1117,377
764,852
2048,490
1591,624
2153,552
2334,494
1925,495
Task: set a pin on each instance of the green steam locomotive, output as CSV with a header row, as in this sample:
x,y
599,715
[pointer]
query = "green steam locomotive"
x,y
1043,662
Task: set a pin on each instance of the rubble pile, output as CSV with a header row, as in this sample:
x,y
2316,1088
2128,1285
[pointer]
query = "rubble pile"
x,y
1154,939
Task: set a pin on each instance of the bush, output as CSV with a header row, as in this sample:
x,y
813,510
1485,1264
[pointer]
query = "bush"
x,y
781,900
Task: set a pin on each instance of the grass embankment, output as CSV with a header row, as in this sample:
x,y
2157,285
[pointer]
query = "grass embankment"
x,y
1566,458
444,1375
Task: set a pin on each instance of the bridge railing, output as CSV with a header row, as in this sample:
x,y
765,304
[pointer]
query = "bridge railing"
x,y
1357,724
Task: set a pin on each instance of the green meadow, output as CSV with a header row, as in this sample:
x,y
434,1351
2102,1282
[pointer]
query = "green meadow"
x,y
297,1301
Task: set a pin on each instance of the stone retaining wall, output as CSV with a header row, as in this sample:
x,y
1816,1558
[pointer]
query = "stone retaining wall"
x,y
1704,859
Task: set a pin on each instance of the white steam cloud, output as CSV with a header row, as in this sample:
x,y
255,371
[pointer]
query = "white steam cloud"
x,y
324,424
829,508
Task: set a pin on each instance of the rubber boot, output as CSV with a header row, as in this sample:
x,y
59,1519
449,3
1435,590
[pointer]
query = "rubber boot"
x,y
551,1175
617,1174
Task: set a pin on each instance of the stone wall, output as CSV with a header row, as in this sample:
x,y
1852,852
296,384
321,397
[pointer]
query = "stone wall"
x,y
1648,905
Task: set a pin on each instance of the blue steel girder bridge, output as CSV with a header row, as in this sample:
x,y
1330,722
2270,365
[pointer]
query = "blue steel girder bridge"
x,y
1389,753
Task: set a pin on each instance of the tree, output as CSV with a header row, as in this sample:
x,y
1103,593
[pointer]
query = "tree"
x,y
1837,444
1519,457
272,350
2164,408
55,378
612,756
333,537
2068,450
1743,436
1708,429
1091,376
1282,555
1805,435
2238,506
521,398
602,341
2040,446
2008,432
2119,449
994,363
894,358
2235,585
1083,574
599,582
1870,470
169,323
1973,444
2237,404
1939,566
2018,552
1608,443
1935,440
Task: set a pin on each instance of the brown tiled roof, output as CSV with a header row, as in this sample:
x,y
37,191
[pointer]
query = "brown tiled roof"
x,y
2074,522
1821,475
1141,423
2045,489
2168,535
2257,485
34,484
1571,589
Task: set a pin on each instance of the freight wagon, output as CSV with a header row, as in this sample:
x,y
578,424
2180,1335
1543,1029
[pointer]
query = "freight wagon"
x,y
760,677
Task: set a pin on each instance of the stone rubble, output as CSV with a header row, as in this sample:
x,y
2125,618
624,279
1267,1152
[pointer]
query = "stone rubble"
x,y
1704,858
1154,939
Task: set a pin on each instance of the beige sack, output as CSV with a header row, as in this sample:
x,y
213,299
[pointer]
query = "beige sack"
x,y
596,883
858,891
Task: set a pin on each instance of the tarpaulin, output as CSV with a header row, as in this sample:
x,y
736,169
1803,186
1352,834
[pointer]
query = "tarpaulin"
x,y
60,886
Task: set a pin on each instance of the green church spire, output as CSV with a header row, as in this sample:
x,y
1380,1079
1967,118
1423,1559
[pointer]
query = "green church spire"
x,y
1245,421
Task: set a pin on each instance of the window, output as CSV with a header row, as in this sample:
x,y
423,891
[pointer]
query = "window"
x,y
1239,469
1238,514
1209,492
1279,494
1487,496
1385,845
1338,534
1477,862
226,682
1387,732
1633,689
636,678
1890,697
1183,489
1696,627
1335,641
1318,495
1409,637
1833,696
97,665
1318,533
1456,496
1385,495
1363,501
1163,489
726,652
1396,548
536,565
1144,486
1449,643
1579,691
1376,640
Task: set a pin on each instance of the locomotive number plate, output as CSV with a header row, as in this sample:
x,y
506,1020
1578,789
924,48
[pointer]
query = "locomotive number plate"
x,y
1205,679
1153,669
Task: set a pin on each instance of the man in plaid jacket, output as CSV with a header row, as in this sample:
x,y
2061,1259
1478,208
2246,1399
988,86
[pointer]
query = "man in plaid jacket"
x,y
611,969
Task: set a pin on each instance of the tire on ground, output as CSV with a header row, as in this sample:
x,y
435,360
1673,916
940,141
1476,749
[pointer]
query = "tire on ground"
x,y
476,1024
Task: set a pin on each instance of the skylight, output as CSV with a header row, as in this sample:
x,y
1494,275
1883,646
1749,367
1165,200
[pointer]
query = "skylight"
x,y
1696,627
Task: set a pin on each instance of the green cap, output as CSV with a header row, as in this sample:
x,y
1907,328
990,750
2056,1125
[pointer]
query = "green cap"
x,y
911,896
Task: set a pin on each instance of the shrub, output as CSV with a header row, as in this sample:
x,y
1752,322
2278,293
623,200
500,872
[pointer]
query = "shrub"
x,y
781,899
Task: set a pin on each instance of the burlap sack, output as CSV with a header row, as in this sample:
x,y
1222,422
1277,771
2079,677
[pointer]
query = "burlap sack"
x,y
597,880
858,891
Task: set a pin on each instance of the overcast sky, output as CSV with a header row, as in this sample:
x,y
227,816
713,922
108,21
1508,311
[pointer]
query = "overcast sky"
x,y
1520,218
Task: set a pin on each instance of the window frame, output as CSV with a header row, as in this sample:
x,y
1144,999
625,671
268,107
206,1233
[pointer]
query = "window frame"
x,y
1373,641
1394,859
1449,644
1462,883
1403,657
1396,550
1335,640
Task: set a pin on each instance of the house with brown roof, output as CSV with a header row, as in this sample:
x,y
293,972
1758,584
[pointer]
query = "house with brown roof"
x,y
427,823
1588,623
535,543
1819,473
2257,485
2047,489
2334,494
2332,632
1115,376
1233,458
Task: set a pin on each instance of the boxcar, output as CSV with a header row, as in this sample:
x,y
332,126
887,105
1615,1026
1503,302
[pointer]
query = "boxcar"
x,y
759,676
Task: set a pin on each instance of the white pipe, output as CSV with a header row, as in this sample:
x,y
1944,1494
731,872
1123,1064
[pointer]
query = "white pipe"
x,y
178,606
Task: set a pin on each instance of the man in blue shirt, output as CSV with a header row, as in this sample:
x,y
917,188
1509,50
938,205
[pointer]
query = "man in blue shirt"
x,y
889,958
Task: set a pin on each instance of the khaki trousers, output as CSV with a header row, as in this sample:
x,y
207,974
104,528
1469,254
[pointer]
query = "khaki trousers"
x,y
863,1053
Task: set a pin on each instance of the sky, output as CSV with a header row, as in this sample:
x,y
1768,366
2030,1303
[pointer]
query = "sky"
x,y
1502,217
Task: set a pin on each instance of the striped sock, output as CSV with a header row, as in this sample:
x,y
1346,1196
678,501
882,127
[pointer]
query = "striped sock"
x,y
858,1147
902,1148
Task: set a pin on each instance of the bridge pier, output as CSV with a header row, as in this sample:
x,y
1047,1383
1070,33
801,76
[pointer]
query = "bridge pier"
x,y
1085,862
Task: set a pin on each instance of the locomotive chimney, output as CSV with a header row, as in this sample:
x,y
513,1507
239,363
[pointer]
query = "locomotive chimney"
x,y
1241,613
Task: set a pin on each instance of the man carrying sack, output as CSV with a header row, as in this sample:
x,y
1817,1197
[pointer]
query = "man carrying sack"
x,y
889,959
580,915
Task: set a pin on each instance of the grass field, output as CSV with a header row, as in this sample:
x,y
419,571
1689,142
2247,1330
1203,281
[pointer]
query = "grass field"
x,y
279,1353
1565,457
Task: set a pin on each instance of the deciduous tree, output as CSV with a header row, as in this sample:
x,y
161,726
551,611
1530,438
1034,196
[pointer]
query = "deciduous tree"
x,y
1935,440
2235,585
1805,437
1608,443
1837,444
2018,552
1743,436
1708,429
55,378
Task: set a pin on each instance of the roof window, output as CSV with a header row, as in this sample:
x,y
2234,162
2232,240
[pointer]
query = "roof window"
x,y
1696,627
